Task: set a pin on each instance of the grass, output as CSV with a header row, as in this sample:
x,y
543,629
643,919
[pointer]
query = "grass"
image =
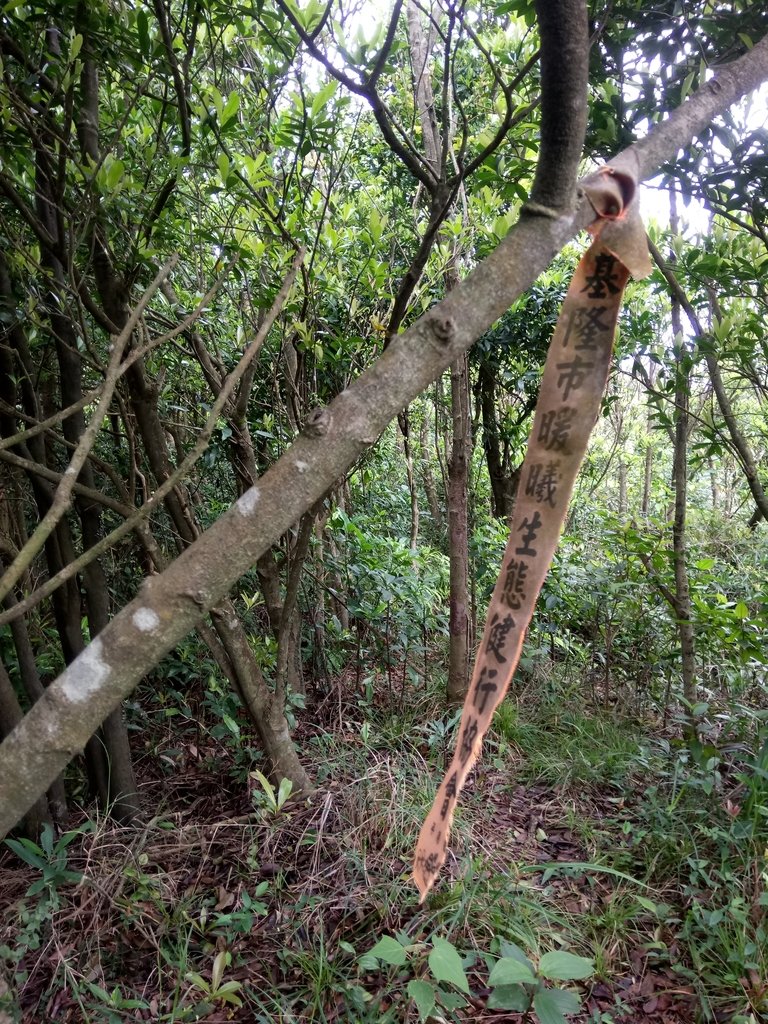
x,y
218,909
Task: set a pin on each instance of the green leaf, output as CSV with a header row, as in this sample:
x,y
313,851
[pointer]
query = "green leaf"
x,y
75,46
741,611
324,96
647,904
445,964
33,857
230,109
99,992
564,966
511,949
451,1000
114,174
511,972
223,163
551,1005
142,26
389,950
46,839
218,101
284,791
423,994
219,964
231,724
513,998
229,986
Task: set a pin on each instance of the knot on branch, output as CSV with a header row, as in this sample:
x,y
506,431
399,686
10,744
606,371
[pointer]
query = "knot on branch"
x,y
317,423
443,328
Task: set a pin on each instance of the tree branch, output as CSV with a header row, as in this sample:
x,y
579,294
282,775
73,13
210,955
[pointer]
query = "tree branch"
x,y
564,37
64,490
739,442
171,604
134,520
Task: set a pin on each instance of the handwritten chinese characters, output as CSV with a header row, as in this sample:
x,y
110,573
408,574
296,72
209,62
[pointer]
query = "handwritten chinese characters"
x,y
529,530
541,484
575,373
513,591
554,428
605,277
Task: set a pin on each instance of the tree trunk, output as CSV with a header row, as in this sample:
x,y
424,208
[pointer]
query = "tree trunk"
x,y
10,716
458,540
622,504
680,478
645,505
405,429
320,613
30,678
503,485
266,710
647,479
715,486
108,754
427,476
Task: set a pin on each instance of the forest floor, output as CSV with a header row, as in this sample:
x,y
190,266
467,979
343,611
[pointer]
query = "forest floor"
x,y
577,831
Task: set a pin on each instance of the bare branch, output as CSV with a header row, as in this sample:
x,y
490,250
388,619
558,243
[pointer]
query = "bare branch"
x,y
64,490
136,519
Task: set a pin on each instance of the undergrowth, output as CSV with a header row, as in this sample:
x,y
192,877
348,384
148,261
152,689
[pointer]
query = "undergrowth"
x,y
639,863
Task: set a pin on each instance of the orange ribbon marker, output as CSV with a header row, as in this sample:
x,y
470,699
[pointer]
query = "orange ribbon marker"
x,y
574,379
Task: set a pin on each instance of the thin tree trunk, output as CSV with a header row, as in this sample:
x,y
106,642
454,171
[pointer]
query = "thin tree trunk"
x,y
405,429
108,754
426,474
458,541
503,487
645,504
622,509
10,716
57,795
319,615
647,479
437,145
738,440
680,483
715,485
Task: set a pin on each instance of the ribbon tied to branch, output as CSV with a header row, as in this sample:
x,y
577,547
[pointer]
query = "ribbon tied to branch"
x,y
572,387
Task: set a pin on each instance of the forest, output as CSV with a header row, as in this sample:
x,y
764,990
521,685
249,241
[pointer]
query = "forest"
x,y
383,633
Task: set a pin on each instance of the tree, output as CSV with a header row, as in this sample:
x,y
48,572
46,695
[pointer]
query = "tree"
x,y
102,286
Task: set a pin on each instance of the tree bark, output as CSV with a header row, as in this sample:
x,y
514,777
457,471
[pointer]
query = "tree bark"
x,y
622,502
458,535
680,481
503,481
171,604
10,716
645,504
427,476
405,429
